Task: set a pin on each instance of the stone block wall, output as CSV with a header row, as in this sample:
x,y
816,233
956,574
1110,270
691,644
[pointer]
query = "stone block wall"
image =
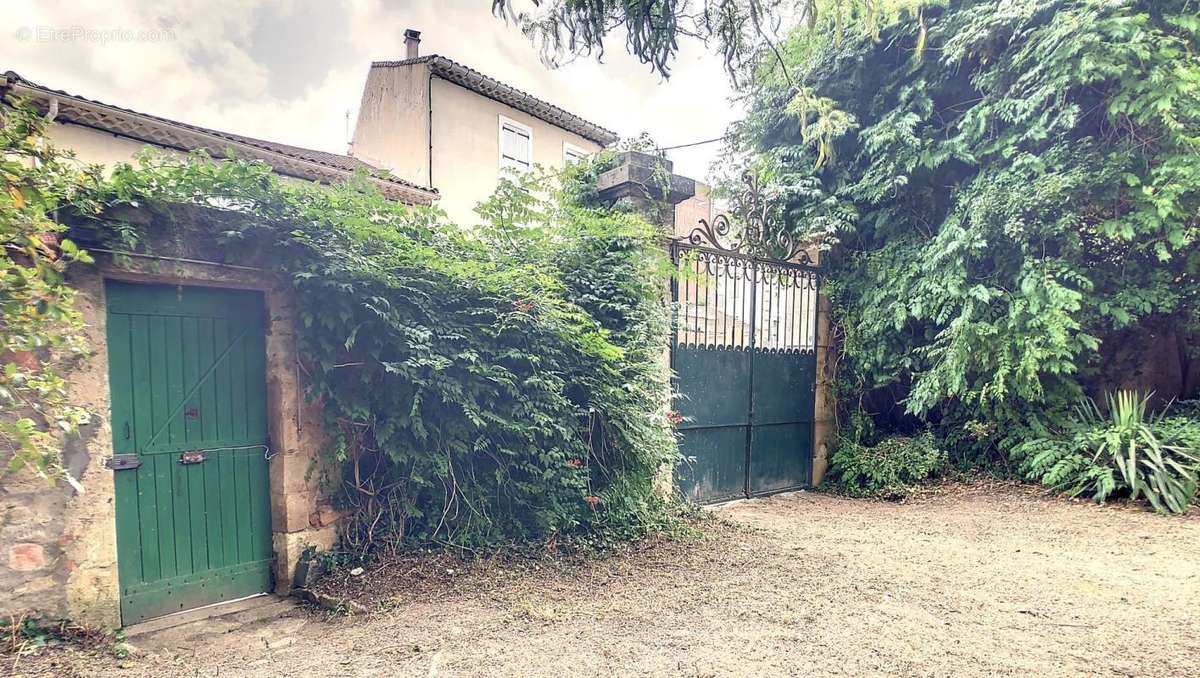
x,y
32,572
825,417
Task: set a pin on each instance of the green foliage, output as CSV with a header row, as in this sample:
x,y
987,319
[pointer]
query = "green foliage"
x,y
998,212
479,386
39,328
887,469
1127,451
739,29
1187,408
27,635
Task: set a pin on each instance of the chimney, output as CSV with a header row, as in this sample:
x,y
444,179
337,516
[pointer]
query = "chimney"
x,y
412,43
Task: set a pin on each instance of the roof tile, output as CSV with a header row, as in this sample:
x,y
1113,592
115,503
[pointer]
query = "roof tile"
x,y
304,163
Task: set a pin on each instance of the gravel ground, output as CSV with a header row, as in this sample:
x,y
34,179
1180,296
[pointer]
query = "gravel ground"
x,y
979,579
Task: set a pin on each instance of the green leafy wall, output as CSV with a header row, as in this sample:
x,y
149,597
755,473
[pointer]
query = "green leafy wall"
x,y
1011,196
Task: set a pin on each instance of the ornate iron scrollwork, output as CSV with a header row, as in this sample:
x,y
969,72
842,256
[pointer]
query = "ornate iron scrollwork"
x,y
753,231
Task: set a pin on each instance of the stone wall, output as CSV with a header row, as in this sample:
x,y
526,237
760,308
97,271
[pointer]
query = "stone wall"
x,y
58,553
31,546
825,416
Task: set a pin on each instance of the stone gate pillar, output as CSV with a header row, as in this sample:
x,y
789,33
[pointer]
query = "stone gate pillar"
x,y
647,185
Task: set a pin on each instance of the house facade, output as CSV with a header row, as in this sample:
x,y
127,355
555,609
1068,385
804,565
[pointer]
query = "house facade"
x,y
200,477
435,122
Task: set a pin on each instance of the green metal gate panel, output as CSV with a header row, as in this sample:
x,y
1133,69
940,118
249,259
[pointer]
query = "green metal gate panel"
x,y
716,413
187,374
744,358
782,418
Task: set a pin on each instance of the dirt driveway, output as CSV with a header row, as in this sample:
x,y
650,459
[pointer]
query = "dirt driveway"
x,y
971,581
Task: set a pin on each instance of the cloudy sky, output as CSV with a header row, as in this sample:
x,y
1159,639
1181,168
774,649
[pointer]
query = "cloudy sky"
x,y
289,70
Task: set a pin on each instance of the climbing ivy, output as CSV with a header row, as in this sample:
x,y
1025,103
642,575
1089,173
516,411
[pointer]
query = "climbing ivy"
x,y
501,381
40,331
1010,196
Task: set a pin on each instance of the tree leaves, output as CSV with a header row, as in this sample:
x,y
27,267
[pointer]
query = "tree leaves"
x,y
39,328
1003,206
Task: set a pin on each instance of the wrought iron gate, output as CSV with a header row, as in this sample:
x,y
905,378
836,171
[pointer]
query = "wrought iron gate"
x,y
744,357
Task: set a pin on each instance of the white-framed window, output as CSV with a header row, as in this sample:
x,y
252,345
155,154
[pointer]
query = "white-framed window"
x,y
516,145
572,153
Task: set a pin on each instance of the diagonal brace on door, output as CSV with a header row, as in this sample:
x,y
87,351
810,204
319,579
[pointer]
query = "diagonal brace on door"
x,y
195,387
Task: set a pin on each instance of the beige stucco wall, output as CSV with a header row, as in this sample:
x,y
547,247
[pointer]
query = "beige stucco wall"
x,y
94,146
466,146
392,131
689,212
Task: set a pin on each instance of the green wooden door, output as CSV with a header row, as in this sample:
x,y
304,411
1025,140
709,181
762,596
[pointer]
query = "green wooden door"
x,y
187,377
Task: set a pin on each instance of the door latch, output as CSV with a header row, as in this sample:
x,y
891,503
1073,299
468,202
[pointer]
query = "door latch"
x,y
122,462
192,457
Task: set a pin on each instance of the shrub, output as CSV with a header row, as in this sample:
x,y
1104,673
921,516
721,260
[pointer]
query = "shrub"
x,y
1127,450
888,469
1186,408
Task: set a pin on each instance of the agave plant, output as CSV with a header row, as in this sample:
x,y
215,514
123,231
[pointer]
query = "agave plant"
x,y
1162,470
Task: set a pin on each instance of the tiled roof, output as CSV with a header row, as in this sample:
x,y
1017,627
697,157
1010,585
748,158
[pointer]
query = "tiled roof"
x,y
302,163
451,70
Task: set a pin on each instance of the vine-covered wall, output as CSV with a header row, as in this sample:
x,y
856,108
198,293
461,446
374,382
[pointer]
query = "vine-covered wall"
x,y
439,384
476,385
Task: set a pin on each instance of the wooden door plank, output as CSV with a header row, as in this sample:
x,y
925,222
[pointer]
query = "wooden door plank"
x,y
165,508
148,521
198,522
205,352
193,428
181,513
261,505
160,390
256,385
241,472
237,362
126,496
229,521
143,427
177,434
212,512
223,385
173,335
193,547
